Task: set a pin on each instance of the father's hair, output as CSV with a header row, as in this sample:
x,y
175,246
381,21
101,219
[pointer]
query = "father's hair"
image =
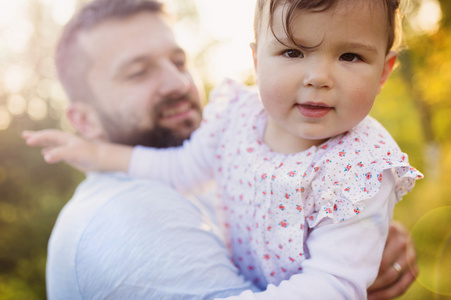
x,y
71,62
392,10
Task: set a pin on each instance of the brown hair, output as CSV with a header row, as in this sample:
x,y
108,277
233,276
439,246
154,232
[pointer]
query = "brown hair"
x,y
71,61
293,6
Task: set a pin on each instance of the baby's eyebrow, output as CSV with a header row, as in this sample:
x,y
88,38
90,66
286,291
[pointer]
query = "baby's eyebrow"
x,y
361,47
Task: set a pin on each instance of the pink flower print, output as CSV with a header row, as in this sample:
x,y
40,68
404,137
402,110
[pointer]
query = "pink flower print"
x,y
291,259
251,268
328,161
266,256
328,210
335,207
298,207
324,146
280,246
283,269
340,143
347,189
360,164
269,228
379,177
281,164
287,196
264,193
272,274
291,173
264,176
348,167
302,226
342,153
357,151
357,139
377,146
273,177
368,175
240,241
290,240
248,228
281,207
316,169
250,149
241,197
308,154
277,256
388,153
364,189
283,223
357,210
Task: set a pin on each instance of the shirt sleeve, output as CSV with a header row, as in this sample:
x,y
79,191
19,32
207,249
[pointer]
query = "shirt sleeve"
x,y
344,257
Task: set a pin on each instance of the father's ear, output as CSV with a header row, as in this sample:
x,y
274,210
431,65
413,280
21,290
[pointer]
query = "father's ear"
x,y
85,120
390,60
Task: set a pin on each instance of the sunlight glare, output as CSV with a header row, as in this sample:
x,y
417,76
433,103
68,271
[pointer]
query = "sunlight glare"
x,y
230,22
16,105
427,18
37,109
15,77
18,35
5,118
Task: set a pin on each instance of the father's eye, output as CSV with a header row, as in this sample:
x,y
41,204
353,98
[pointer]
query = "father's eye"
x,y
137,74
293,53
351,57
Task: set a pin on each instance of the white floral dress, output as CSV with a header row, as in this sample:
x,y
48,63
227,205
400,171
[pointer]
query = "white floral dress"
x,y
271,201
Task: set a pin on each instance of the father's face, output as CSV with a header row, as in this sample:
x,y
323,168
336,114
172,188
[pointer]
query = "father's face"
x,y
138,76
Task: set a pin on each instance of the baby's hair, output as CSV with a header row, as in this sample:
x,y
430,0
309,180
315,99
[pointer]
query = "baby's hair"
x,y
391,7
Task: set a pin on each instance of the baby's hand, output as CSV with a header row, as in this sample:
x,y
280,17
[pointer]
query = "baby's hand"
x,y
64,146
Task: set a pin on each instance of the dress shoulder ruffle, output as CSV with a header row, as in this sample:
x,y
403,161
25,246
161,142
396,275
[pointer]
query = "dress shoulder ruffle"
x,y
348,171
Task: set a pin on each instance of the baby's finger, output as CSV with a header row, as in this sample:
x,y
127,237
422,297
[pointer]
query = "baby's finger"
x,y
51,155
47,138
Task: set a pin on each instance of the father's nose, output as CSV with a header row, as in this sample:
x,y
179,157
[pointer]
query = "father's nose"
x,y
173,81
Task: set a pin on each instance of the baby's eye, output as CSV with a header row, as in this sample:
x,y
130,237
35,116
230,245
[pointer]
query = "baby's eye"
x,y
293,53
351,57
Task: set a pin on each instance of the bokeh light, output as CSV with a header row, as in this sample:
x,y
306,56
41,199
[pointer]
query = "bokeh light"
x,y
432,229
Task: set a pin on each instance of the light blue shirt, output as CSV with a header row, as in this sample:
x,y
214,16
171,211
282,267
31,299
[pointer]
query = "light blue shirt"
x,y
124,238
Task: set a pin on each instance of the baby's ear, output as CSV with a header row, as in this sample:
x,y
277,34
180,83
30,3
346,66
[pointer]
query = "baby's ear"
x,y
85,120
390,60
254,54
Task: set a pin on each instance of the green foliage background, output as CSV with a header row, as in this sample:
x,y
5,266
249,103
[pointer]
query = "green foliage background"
x,y
414,106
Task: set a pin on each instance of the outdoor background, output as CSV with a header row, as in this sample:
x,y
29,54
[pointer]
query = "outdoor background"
x,y
415,107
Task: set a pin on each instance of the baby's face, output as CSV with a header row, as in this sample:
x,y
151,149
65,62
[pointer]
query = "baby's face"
x,y
325,83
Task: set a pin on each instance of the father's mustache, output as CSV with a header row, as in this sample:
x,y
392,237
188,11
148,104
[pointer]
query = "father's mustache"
x,y
172,102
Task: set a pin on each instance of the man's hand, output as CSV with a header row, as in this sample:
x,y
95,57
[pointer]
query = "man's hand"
x,y
398,267
84,155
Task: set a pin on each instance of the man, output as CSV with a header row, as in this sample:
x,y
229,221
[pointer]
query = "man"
x,y
123,238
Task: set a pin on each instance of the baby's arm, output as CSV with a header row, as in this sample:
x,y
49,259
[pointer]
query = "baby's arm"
x,y
84,155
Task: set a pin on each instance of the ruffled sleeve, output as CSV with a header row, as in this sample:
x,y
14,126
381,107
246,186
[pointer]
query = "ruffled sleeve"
x,y
349,169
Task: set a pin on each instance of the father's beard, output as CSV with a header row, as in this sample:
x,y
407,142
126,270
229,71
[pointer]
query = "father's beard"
x,y
157,136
